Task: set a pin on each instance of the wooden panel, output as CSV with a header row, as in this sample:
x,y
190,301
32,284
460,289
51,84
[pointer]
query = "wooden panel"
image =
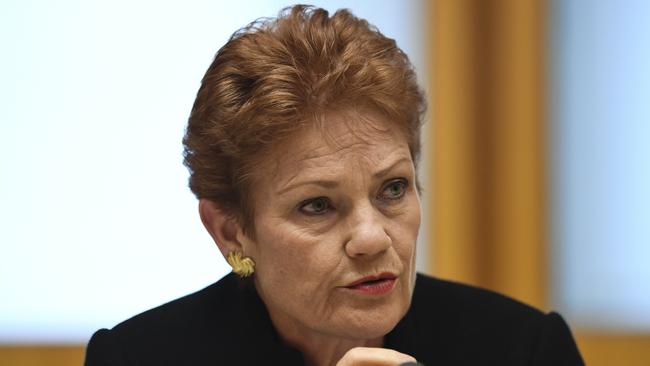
x,y
451,132
606,349
488,170
598,349
513,145
30,355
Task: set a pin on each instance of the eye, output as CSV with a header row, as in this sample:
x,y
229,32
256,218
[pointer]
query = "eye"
x,y
315,206
394,190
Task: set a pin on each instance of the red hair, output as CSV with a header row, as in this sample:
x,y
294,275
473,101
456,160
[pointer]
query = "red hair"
x,y
276,75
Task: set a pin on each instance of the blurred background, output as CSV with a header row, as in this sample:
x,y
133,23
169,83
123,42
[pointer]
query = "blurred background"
x,y
536,170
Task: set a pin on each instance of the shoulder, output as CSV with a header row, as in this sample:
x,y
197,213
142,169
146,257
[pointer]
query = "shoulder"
x,y
465,303
182,329
473,325
190,311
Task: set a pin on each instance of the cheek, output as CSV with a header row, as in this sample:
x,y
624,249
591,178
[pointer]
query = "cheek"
x,y
291,258
407,229
296,272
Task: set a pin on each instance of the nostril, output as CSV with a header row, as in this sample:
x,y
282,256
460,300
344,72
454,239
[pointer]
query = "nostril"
x,y
368,243
367,234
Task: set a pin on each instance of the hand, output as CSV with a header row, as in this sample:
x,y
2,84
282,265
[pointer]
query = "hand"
x,y
366,356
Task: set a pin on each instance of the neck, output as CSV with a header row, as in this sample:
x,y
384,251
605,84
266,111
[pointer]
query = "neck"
x,y
319,349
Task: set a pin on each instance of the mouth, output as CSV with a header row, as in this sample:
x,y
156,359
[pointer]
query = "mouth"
x,y
374,285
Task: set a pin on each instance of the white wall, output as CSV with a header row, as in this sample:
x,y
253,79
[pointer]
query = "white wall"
x,y
600,96
96,220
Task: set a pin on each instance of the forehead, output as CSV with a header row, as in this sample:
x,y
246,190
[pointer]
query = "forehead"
x,y
353,135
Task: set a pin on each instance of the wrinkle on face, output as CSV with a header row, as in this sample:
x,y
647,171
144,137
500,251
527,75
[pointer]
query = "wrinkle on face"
x,y
301,168
352,136
302,261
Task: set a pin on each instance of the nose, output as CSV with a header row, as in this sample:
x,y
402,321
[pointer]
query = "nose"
x,y
367,235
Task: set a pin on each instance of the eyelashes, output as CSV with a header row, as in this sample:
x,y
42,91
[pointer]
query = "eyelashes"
x,y
391,192
394,189
315,206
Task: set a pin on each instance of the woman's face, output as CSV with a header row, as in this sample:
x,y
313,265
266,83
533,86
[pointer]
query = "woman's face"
x,y
336,221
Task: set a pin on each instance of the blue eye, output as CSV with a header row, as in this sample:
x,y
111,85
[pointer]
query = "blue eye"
x,y
316,206
394,190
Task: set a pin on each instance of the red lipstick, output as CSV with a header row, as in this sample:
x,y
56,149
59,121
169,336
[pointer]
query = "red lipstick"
x,y
374,285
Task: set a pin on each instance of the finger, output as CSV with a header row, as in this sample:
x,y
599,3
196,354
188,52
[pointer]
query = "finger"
x,y
366,356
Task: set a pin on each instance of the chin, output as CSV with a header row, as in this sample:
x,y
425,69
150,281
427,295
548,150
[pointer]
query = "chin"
x,y
372,329
372,323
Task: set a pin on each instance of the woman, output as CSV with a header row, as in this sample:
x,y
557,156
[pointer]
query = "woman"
x,y
303,146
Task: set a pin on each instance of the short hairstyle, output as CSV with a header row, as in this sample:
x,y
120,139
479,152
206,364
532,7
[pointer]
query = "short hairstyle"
x,y
276,75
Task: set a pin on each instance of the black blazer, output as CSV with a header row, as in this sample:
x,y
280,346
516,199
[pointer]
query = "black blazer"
x,y
447,324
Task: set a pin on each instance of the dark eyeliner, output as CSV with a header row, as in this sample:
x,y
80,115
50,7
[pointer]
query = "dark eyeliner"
x,y
303,204
404,183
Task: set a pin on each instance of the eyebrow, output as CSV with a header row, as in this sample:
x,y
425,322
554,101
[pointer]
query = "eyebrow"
x,y
330,184
386,170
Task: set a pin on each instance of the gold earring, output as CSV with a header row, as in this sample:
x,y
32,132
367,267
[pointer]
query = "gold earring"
x,y
242,266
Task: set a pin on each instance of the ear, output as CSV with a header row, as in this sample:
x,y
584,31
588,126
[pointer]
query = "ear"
x,y
222,226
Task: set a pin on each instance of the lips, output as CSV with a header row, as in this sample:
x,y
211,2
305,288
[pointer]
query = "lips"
x,y
374,285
